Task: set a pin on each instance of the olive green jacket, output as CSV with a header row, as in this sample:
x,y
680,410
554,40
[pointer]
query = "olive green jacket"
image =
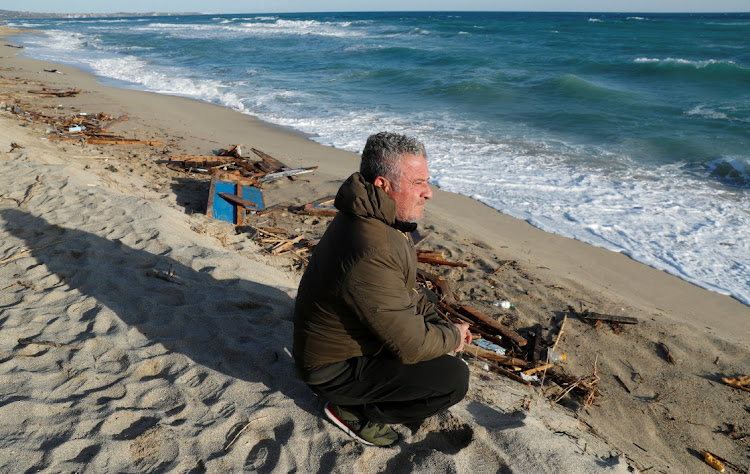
x,y
359,296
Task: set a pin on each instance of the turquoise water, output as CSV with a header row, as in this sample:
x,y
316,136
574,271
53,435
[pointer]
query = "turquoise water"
x,y
627,131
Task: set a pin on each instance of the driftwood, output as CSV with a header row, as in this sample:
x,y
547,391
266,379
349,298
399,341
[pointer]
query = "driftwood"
x,y
57,92
499,369
494,356
22,254
113,123
505,331
273,209
199,161
121,141
610,318
436,258
269,164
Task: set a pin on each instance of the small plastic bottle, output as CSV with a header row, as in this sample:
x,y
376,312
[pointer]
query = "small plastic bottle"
x,y
555,356
503,304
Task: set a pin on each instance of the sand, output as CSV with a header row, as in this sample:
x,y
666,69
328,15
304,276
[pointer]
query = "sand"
x,y
195,375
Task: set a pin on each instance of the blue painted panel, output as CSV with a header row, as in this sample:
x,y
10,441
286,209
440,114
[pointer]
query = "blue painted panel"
x,y
222,210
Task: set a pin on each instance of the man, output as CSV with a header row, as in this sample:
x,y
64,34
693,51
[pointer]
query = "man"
x,y
366,338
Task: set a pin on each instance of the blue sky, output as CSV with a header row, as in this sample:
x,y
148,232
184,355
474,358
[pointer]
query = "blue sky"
x,y
280,6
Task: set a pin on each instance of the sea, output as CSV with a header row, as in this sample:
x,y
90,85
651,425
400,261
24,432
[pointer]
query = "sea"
x,y
629,132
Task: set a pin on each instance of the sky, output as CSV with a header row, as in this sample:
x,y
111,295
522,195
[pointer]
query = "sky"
x,y
282,6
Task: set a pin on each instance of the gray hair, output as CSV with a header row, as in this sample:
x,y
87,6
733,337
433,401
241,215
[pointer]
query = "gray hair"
x,y
382,155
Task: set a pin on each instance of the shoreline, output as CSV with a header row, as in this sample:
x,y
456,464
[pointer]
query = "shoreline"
x,y
682,290
549,272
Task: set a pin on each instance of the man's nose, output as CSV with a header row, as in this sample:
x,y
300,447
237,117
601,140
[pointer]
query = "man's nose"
x,y
427,193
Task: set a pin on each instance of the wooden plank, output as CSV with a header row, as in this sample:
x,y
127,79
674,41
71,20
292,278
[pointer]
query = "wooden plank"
x,y
436,261
608,318
286,173
119,119
499,358
197,161
273,209
234,150
211,194
246,203
269,163
57,92
121,141
505,331
313,211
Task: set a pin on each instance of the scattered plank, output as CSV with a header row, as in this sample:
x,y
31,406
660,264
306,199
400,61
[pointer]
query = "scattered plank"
x,y
113,123
233,199
610,318
437,261
121,141
497,368
505,331
286,173
57,92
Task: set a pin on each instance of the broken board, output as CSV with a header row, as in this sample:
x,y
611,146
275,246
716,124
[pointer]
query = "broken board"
x,y
223,210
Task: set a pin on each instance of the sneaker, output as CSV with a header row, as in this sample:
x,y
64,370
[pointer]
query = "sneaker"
x,y
360,428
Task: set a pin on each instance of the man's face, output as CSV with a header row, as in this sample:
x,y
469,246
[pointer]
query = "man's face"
x,y
412,190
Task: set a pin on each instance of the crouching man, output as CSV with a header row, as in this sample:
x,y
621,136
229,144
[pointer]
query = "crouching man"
x,y
366,339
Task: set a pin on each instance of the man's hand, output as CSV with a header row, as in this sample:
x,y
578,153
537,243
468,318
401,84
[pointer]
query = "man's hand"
x,y
465,335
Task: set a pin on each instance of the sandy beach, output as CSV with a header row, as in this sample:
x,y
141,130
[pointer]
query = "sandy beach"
x,y
106,368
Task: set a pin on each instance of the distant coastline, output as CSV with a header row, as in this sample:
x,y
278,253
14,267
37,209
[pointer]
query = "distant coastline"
x,y
13,15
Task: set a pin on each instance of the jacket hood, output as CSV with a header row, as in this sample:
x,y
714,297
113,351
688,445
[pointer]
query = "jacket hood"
x,y
357,196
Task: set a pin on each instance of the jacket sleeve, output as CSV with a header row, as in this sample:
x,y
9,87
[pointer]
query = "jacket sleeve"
x,y
426,307
376,291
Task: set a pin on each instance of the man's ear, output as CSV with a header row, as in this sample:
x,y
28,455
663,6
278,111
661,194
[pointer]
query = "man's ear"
x,y
382,183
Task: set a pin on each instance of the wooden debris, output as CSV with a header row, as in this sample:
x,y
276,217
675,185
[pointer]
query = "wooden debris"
x,y
196,161
274,209
26,342
494,356
269,164
667,354
559,334
57,92
590,316
246,203
281,247
440,286
742,382
436,258
112,123
234,150
121,141
166,276
538,369
497,368
24,284
286,173
22,254
482,318
242,431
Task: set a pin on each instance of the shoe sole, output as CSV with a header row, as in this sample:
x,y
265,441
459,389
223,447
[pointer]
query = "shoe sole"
x,y
341,424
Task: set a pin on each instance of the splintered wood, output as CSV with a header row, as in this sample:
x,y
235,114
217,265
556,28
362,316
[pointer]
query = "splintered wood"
x,y
92,129
254,172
